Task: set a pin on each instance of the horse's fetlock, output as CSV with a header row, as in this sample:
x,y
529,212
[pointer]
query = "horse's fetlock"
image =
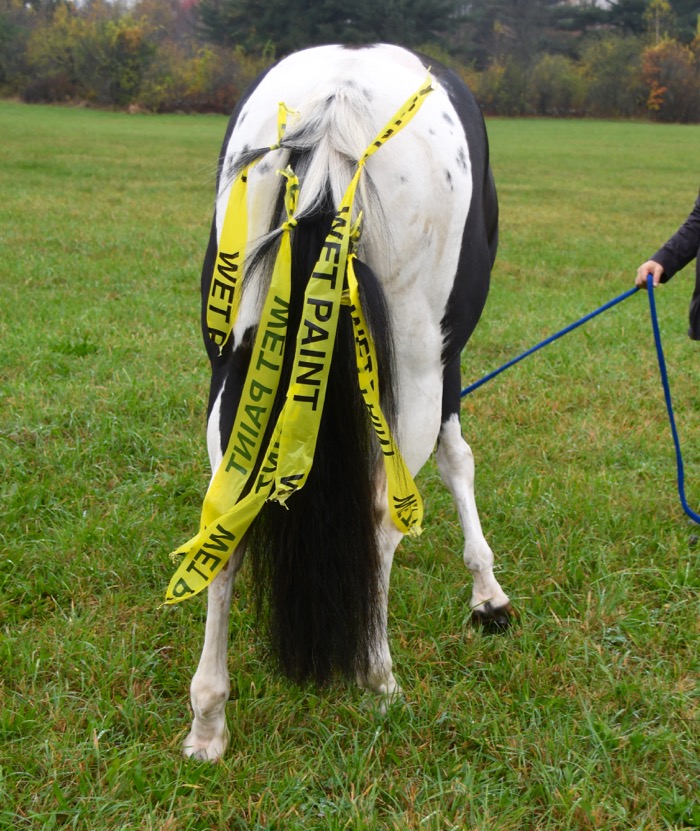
x,y
208,700
478,557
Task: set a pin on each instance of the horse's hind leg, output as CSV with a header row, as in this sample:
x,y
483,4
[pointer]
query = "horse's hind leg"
x,y
210,685
380,678
420,425
489,603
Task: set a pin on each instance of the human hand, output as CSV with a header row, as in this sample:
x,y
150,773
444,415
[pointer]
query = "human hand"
x,y
649,267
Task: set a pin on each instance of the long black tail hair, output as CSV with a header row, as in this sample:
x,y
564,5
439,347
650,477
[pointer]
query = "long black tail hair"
x,y
316,562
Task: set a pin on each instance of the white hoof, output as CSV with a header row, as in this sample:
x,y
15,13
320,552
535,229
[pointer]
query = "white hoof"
x,y
388,699
384,686
206,749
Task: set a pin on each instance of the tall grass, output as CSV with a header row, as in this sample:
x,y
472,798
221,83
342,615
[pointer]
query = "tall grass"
x,y
584,717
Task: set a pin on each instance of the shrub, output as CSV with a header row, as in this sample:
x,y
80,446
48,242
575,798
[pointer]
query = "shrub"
x,y
501,88
556,87
98,56
671,73
14,33
210,80
612,67
51,58
127,53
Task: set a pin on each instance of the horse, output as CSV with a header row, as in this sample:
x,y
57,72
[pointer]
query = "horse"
x,y
421,232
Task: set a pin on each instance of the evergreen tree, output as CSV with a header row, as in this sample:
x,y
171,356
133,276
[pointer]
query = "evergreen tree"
x,y
519,30
627,16
688,18
631,17
289,25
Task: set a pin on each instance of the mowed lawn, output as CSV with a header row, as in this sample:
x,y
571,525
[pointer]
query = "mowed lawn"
x,y
585,716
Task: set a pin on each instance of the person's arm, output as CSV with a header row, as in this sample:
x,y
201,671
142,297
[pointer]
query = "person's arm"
x,y
676,253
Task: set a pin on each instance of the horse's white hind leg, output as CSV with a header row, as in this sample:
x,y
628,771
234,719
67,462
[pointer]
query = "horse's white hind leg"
x,y
419,425
380,678
489,603
210,685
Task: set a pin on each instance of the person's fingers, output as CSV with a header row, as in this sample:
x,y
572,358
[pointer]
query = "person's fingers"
x,y
649,267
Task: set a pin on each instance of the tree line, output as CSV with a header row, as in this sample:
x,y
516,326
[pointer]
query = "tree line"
x,y
622,58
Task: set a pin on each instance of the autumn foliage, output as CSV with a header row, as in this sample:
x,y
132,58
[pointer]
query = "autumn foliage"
x,y
626,59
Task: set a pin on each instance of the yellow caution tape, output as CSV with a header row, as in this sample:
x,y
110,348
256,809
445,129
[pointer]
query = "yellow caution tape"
x,y
262,379
222,303
224,290
289,456
316,336
206,554
405,503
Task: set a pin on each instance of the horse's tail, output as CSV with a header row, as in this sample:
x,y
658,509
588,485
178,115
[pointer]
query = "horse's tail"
x,y
316,561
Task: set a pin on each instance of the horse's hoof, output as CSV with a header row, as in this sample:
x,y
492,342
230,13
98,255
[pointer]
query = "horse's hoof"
x,y
205,750
494,620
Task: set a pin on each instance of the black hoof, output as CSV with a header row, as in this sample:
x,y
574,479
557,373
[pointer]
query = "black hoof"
x,y
494,620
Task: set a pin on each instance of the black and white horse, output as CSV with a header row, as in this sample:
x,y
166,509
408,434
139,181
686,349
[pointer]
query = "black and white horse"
x,y
321,564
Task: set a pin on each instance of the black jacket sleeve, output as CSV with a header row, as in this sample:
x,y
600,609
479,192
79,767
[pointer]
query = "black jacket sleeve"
x,y
683,246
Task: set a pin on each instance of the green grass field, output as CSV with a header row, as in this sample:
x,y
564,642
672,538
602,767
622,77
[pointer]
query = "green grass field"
x,y
584,717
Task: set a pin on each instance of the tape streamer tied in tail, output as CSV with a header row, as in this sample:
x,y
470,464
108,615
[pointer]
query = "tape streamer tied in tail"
x,y
289,455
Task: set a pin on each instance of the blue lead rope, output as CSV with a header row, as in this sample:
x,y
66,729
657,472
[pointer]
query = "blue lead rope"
x,y
662,369
549,340
667,396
